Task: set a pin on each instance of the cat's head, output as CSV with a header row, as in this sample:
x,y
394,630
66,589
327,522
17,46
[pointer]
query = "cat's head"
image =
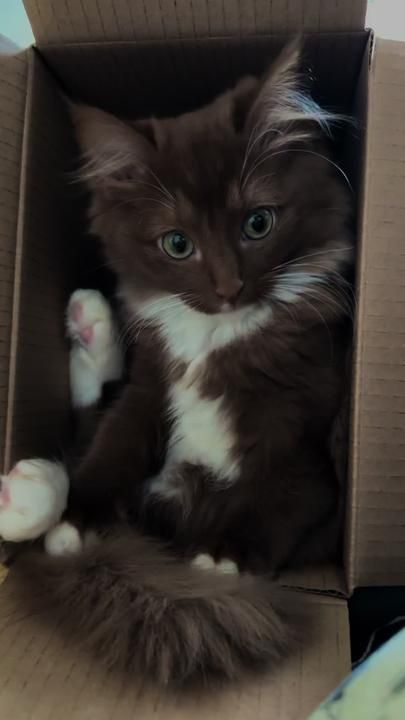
x,y
231,206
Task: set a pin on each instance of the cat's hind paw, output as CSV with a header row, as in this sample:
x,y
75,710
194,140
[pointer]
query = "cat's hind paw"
x,y
33,497
63,539
96,356
204,561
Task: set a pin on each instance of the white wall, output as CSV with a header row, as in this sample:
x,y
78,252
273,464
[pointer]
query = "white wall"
x,y
14,23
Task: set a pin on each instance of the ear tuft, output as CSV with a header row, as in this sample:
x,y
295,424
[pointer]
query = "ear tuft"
x,y
282,113
113,152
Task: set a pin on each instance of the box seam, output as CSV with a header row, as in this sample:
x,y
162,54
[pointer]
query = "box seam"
x,y
14,335
359,351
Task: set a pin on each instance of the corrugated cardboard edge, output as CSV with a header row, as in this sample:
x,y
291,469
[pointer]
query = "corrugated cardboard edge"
x,y
73,21
13,84
377,547
17,271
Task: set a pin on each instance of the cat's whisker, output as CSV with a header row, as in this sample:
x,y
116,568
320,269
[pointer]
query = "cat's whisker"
x,y
252,142
287,308
129,201
287,138
338,284
325,298
159,309
343,249
155,200
124,337
323,320
163,187
169,198
267,155
327,276
328,288
328,299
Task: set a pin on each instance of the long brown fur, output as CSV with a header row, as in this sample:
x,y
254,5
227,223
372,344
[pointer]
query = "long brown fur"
x,y
141,610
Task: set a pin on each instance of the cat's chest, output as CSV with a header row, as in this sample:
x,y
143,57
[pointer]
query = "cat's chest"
x,y
202,429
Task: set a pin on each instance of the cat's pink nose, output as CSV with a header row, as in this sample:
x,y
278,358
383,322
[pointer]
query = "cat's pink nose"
x,y
230,290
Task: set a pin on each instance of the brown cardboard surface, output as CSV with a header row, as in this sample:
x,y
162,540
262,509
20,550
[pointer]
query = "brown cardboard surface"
x,y
43,679
377,502
327,579
46,238
13,78
88,20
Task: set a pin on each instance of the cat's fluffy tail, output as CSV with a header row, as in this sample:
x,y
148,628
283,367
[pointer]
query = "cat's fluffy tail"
x,y
147,612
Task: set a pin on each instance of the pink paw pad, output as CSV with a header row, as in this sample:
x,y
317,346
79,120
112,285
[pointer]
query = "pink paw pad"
x,y
77,311
20,470
15,471
4,496
86,334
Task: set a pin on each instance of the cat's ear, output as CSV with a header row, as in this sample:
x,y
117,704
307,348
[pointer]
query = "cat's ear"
x,y
281,109
114,153
278,85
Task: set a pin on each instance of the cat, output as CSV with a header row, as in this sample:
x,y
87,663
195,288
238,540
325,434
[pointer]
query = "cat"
x,y
229,229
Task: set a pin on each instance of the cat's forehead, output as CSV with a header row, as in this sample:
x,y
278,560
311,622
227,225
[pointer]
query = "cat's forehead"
x,y
203,165
202,157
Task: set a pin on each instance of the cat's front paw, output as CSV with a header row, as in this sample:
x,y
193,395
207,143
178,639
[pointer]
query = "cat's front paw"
x,y
33,497
90,321
96,356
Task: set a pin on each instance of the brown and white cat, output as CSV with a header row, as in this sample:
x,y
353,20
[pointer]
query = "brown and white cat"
x,y
229,231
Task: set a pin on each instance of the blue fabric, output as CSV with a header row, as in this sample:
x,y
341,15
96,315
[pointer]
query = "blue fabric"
x,y
374,691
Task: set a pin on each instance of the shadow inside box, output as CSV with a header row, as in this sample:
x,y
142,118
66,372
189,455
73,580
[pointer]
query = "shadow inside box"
x,y
376,615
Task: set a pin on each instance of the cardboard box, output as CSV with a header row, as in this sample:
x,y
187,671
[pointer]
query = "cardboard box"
x,y
166,56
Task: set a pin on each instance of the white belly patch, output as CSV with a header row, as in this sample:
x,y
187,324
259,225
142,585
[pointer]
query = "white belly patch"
x,y
201,434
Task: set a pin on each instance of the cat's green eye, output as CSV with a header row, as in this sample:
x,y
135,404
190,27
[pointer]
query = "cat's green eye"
x,y
177,245
258,223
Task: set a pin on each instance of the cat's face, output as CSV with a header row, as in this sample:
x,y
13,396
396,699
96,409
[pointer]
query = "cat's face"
x,y
231,206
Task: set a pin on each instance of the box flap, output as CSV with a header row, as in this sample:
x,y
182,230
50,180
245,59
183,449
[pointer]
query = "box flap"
x,y
13,81
41,677
76,21
377,533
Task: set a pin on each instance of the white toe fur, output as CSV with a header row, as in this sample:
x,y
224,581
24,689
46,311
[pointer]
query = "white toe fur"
x,y
97,357
228,567
207,562
64,539
32,499
204,562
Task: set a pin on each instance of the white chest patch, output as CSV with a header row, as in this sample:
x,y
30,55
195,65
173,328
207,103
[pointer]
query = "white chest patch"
x,y
202,431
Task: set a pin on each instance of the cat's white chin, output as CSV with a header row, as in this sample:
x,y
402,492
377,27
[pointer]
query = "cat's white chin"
x,y
190,334
226,307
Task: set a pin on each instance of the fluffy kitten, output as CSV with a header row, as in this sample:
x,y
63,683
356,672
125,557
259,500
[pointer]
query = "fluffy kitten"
x,y
228,230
